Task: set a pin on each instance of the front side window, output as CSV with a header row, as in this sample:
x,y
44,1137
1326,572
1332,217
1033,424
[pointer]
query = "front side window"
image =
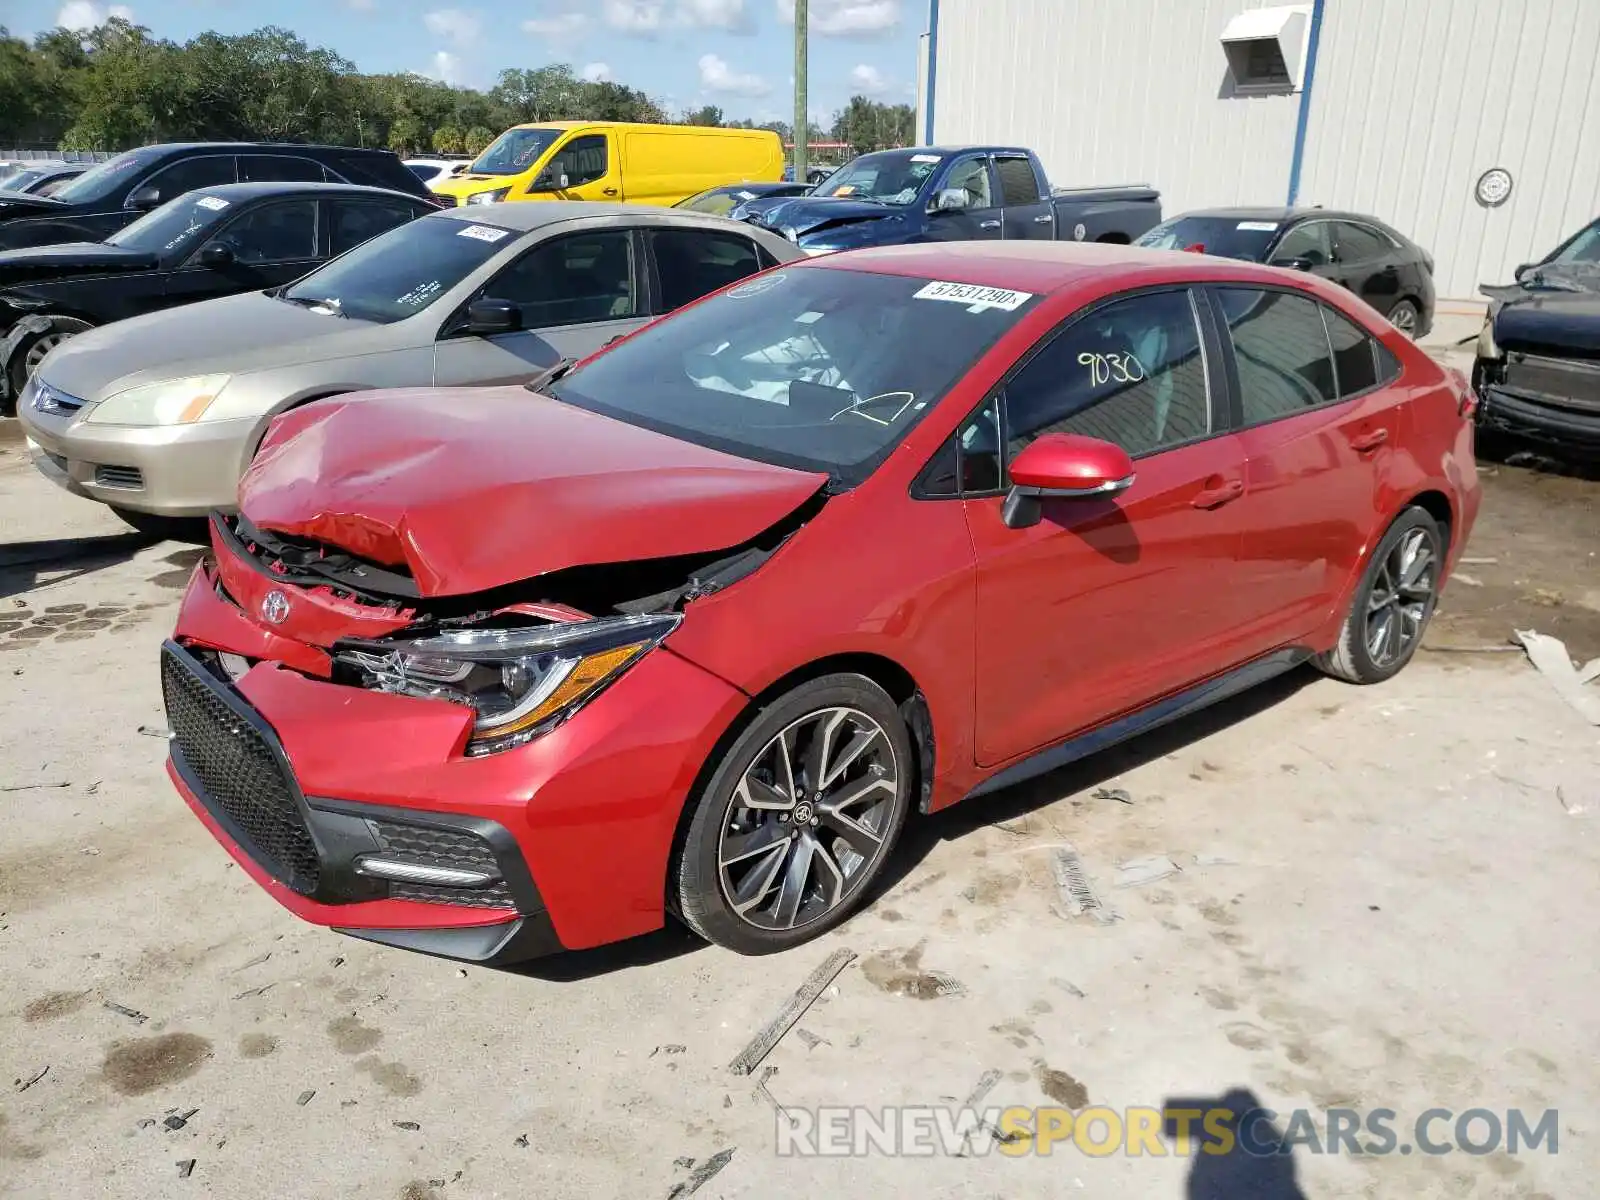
x,y
177,225
972,177
1307,243
582,160
824,369
210,170
400,273
273,233
692,263
1281,348
1132,372
571,280
514,151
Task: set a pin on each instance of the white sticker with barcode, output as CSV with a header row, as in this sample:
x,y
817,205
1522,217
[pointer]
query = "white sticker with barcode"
x,y
975,297
214,203
1258,226
484,233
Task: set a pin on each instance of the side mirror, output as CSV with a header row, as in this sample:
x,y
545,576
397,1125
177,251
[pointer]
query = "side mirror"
x,y
549,181
1063,466
487,317
948,200
1294,264
1523,270
145,198
217,254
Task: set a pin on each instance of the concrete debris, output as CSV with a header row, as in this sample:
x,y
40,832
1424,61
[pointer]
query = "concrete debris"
x,y
1120,795
178,1120
683,1164
144,1122
701,1175
668,1049
522,1140
1137,872
1549,656
155,731
304,1098
795,1008
1463,578
256,991
1477,562
131,1013
185,1168
409,1126
23,1085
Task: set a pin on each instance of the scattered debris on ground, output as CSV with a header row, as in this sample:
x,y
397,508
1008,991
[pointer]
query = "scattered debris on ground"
x,y
304,1098
176,1120
1549,656
761,1045
408,1126
1120,795
1076,893
185,1168
23,1085
132,1014
701,1175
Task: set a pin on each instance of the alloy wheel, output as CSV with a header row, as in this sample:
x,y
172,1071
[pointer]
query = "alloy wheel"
x,y
1400,598
37,351
808,819
1404,318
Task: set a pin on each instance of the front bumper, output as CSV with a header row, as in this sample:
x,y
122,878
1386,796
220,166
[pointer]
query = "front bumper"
x,y
299,778
1540,419
172,471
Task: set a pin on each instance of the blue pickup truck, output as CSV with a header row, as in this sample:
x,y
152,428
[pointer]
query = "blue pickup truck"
x,y
953,193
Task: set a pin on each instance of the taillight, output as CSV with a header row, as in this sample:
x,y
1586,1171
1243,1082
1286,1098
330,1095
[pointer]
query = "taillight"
x,y
1197,248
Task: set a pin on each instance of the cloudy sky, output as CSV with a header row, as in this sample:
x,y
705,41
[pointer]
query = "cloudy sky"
x,y
734,53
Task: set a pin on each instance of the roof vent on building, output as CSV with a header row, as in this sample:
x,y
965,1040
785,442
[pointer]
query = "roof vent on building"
x,y
1266,48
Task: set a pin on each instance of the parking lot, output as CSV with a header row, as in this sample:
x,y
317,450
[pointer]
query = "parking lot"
x,y
1385,898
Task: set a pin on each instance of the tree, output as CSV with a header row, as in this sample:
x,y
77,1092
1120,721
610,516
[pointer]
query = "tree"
x,y
708,115
449,139
478,139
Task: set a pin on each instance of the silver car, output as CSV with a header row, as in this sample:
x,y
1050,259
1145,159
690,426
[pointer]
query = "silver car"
x,y
158,416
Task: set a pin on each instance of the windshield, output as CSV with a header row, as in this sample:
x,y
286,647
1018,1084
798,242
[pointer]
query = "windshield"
x,y
1225,237
399,273
177,223
820,369
101,180
889,176
514,151
12,180
1585,248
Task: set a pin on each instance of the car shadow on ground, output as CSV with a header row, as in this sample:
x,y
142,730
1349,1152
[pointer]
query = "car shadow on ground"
x,y
1240,1155
22,564
1505,450
923,833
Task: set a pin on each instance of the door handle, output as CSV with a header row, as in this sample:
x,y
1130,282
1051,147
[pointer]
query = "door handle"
x,y
1044,220
608,191
988,224
1370,440
1216,497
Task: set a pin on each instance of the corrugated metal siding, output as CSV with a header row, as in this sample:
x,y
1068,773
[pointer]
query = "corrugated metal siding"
x,y
1115,91
1413,102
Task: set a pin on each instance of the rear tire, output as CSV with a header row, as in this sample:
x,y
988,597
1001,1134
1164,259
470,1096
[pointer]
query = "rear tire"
x,y
1392,604
830,769
1406,317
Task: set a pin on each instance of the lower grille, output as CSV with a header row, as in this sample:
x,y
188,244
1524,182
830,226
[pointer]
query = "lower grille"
x,y
239,775
120,477
1572,383
433,847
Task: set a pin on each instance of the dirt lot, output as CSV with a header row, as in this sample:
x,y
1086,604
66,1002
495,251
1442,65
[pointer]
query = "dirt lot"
x,y
1383,903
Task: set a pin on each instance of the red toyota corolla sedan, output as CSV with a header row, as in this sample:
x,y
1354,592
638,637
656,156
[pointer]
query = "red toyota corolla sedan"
x,y
696,626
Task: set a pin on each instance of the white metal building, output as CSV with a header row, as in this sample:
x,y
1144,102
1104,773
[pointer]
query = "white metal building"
x,y
1471,125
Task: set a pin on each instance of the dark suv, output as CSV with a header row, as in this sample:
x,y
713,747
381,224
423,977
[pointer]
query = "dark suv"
x,y
105,198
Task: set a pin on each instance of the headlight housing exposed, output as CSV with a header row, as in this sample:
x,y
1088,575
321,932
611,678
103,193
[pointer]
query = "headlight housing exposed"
x,y
488,197
520,682
170,402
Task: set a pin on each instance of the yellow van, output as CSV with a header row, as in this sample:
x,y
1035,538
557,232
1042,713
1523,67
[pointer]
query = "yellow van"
x,y
617,161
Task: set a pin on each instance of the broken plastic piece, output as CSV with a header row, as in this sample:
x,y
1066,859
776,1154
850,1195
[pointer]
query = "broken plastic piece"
x,y
1137,872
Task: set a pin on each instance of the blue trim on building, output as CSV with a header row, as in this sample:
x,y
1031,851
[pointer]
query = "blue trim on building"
x,y
1304,118
933,68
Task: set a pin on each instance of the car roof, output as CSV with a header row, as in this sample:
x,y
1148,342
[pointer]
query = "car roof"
x,y
298,147
1278,213
1045,267
239,192
525,217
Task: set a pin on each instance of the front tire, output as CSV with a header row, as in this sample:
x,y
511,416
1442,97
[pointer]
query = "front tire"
x,y
1393,603
797,819
25,361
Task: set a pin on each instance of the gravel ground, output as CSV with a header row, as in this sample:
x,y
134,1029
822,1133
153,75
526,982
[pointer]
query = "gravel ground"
x,y
1386,900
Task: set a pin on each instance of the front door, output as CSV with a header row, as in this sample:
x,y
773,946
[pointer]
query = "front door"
x,y
1112,602
575,293
592,167
272,243
980,219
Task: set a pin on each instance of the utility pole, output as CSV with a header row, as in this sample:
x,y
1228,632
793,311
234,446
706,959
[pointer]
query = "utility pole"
x,y
802,115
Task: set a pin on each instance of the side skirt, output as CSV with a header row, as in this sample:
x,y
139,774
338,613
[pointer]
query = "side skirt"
x,y
1202,695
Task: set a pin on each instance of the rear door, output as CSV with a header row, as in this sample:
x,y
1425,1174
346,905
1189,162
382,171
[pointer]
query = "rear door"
x,y
351,221
1319,431
1369,263
1307,246
279,168
1110,602
981,220
1026,212
690,263
273,242
575,292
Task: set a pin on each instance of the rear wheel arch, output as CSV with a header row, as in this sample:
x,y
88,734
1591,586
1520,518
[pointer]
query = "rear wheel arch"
x,y
1437,505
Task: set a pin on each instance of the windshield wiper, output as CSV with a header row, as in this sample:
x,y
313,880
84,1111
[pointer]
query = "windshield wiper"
x,y
327,305
549,375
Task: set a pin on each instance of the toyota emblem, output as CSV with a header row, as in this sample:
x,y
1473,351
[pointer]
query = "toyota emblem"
x,y
274,607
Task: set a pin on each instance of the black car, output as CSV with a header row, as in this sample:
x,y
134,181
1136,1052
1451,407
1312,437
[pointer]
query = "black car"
x,y
722,201
1538,367
1382,266
109,195
43,178
214,242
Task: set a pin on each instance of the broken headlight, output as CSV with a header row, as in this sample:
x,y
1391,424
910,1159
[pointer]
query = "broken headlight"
x,y
521,682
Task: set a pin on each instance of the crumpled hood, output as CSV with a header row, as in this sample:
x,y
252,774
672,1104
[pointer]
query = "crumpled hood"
x,y
230,335
811,214
1542,321
39,262
473,488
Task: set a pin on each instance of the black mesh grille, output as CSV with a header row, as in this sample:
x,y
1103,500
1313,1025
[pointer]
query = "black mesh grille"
x,y
443,848
119,477
239,776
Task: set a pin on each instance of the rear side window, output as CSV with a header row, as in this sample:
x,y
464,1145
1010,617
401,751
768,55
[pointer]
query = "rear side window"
x,y
375,170
1355,355
691,263
352,222
1131,372
1018,184
1281,348
1358,243
278,168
